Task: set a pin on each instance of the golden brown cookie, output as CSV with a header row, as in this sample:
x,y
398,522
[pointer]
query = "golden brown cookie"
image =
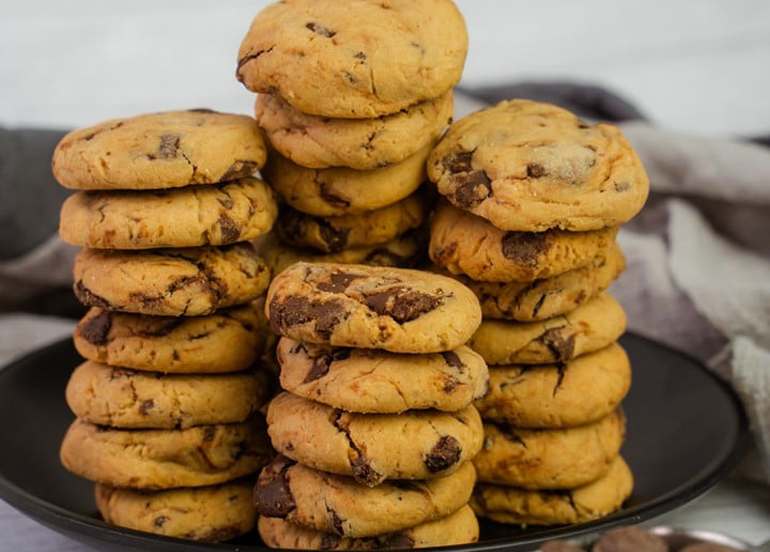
x,y
587,503
466,244
578,392
361,144
208,514
549,458
121,398
159,151
354,61
548,297
229,340
334,234
373,447
170,282
530,166
461,527
378,382
337,504
188,217
343,191
165,458
398,310
590,327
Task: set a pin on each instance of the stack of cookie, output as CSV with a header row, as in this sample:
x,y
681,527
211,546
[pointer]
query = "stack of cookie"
x,y
533,201
353,95
166,402
376,428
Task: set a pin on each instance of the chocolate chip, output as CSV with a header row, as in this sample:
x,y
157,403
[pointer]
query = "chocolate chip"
x,y
402,304
338,282
336,521
561,370
296,310
229,230
169,146
87,297
360,55
561,348
240,169
146,406
451,358
458,162
524,247
320,29
96,329
272,494
444,454
322,363
396,541
450,384
535,170
331,198
160,521
471,189
363,472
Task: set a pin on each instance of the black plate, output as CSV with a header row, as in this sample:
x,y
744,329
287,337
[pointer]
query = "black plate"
x,y
686,431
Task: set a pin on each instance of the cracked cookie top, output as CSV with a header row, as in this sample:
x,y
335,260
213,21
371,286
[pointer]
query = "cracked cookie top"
x,y
354,60
159,151
398,310
529,166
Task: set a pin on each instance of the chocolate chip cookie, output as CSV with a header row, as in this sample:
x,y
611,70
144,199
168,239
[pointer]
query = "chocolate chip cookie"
x,y
590,327
373,447
120,398
229,340
589,502
338,505
342,191
156,459
187,217
461,527
170,282
210,514
361,144
466,244
528,166
398,310
549,458
159,151
578,392
548,297
371,381
334,234
354,61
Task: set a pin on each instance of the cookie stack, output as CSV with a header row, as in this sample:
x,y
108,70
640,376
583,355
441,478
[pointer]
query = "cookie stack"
x,y
353,95
376,428
166,402
533,198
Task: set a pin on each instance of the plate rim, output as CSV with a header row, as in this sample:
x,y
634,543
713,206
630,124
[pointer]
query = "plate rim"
x,y
67,522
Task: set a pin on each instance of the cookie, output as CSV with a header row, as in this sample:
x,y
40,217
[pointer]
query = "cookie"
x,y
334,234
578,392
587,503
361,144
529,166
209,514
378,382
590,327
466,244
548,297
373,447
342,191
188,217
354,61
121,398
170,282
461,527
634,539
539,459
229,340
165,458
159,151
338,505
398,310
404,251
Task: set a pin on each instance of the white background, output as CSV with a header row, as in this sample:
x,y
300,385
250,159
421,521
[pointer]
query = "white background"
x,y
699,65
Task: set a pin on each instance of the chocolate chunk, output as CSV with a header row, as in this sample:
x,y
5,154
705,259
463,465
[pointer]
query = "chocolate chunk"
x,y
87,297
169,146
561,370
320,29
402,304
535,170
524,247
444,454
230,231
360,55
338,282
160,521
296,310
329,541
450,384
240,169
331,198
335,239
272,494
561,348
322,363
396,541
146,406
458,162
363,472
96,329
336,521
471,189
451,358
